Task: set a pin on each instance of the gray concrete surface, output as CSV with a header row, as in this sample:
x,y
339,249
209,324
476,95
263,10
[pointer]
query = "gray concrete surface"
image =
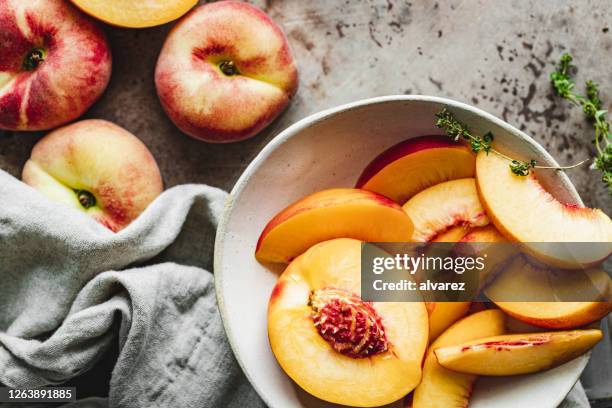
x,y
492,54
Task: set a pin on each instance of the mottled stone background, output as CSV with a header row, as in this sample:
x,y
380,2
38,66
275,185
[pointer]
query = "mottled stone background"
x,y
492,54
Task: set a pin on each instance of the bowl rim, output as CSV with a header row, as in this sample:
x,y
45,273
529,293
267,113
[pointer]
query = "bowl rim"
x,y
316,117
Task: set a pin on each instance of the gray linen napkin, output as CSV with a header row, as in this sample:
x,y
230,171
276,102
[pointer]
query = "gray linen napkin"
x,y
69,288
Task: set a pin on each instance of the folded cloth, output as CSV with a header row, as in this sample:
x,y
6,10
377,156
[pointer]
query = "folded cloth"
x,y
70,289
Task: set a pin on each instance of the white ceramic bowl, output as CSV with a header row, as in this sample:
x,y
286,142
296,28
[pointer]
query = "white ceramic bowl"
x,y
330,149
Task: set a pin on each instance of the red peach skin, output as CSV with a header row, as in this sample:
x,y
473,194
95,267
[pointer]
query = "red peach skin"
x,y
217,104
74,71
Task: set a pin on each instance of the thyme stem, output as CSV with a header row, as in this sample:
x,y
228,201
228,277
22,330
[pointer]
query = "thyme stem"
x,y
457,130
591,105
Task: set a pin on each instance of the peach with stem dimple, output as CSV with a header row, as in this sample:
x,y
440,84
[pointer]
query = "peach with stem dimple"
x,y
54,64
96,167
225,72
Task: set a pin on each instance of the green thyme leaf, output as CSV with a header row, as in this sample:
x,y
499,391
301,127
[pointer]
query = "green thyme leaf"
x,y
591,105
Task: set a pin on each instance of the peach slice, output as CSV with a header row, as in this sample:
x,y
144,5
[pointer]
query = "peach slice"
x,y
523,211
445,213
328,214
488,234
135,13
415,164
444,314
453,234
518,326
334,345
557,315
514,354
553,311
443,388
484,240
444,206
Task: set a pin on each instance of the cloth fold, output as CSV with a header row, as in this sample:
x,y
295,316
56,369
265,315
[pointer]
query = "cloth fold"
x,y
70,288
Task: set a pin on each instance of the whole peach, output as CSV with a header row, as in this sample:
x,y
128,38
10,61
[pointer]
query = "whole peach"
x,y
225,72
54,64
97,167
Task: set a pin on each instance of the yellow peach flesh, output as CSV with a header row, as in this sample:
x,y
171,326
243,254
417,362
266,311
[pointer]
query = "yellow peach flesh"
x,y
444,314
515,354
328,214
443,206
552,287
135,13
443,388
310,360
523,211
404,177
445,212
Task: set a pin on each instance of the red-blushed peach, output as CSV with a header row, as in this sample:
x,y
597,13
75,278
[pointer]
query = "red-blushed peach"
x,y
336,346
443,388
135,13
97,167
523,211
413,165
515,354
54,64
225,72
328,214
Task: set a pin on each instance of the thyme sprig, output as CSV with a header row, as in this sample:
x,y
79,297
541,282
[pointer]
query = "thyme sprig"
x,y
458,130
591,105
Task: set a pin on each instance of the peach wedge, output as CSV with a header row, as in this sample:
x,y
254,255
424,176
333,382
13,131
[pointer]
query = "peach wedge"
x,y
443,388
444,314
550,295
135,13
328,214
446,205
445,213
514,354
524,212
336,346
486,240
415,164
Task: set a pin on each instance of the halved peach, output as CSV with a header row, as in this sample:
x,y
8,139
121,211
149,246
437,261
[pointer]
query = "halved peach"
x,y
446,205
328,214
135,13
415,164
554,290
514,354
523,211
334,345
443,388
